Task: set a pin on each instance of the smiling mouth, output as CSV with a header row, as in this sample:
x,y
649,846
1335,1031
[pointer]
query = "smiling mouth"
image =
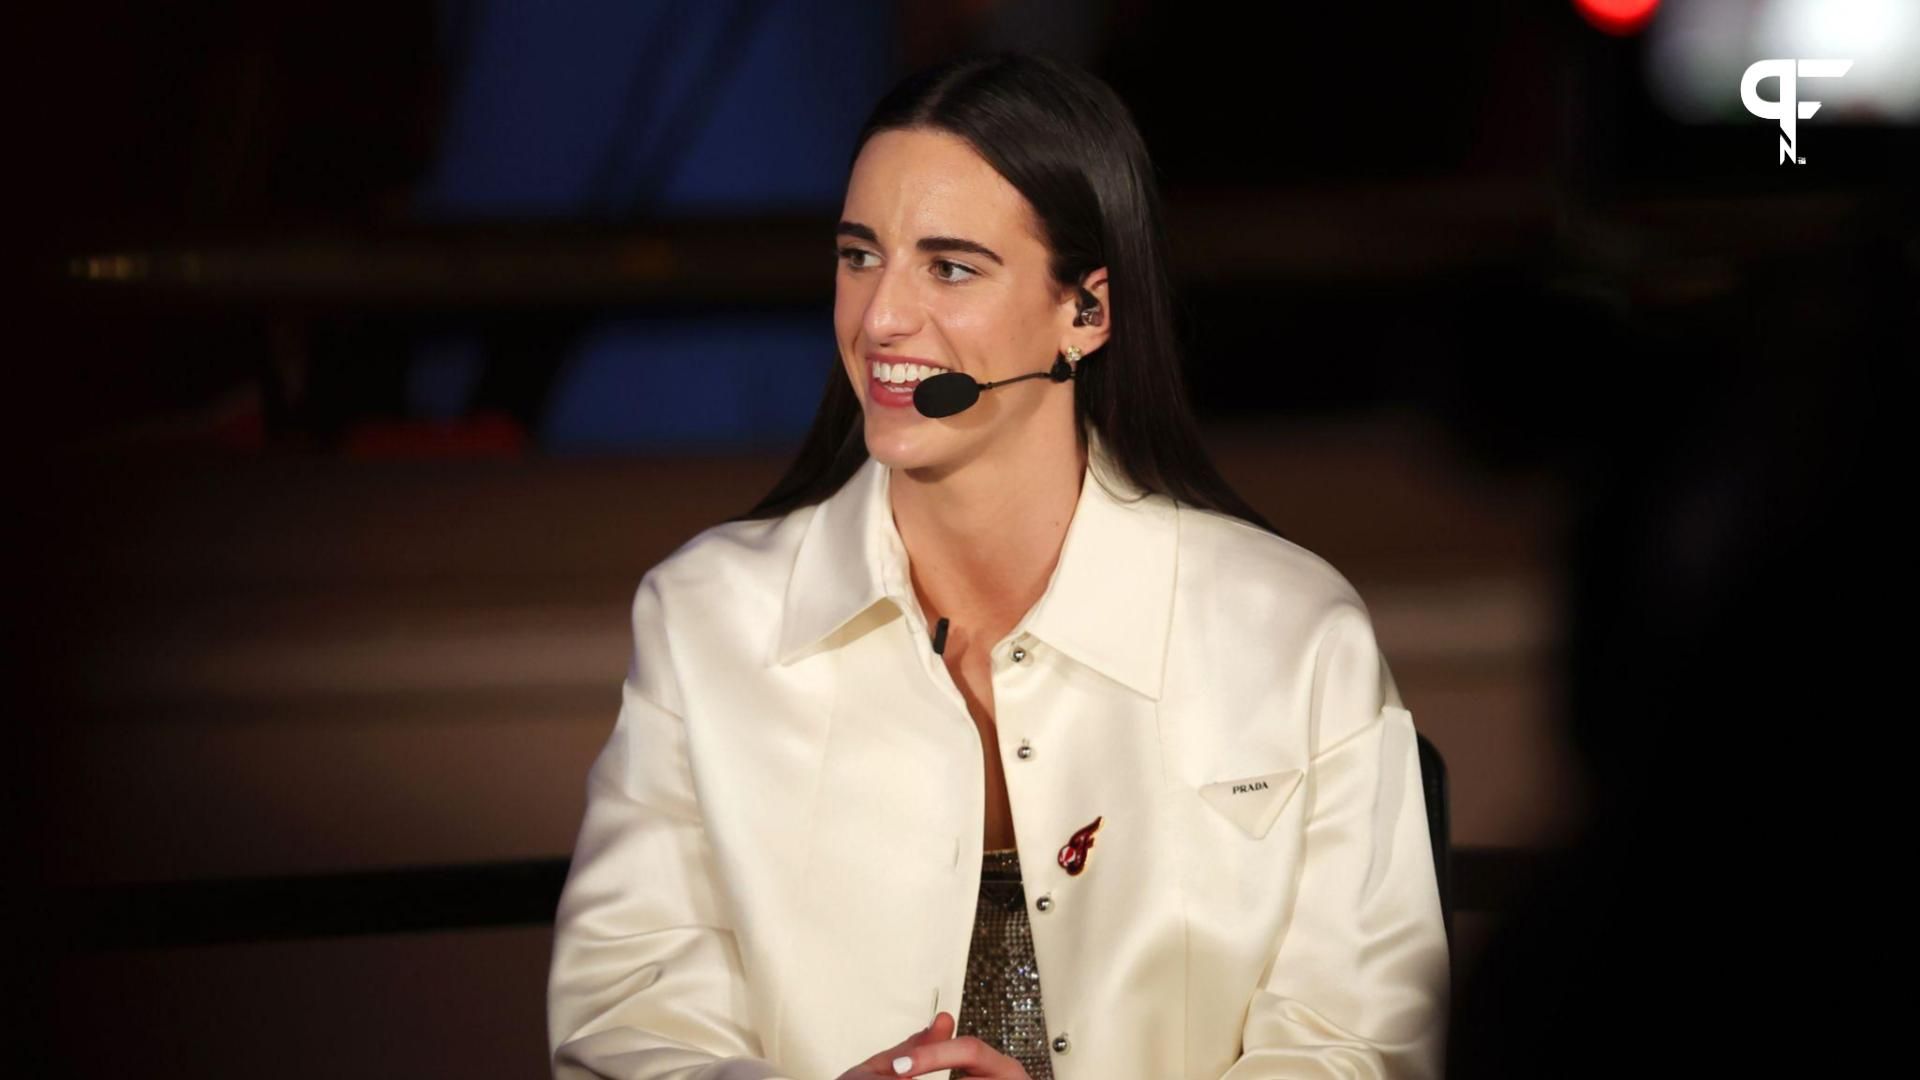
x,y
902,376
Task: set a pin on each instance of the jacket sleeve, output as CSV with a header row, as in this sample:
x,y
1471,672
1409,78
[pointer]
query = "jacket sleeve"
x,y
1359,983
646,981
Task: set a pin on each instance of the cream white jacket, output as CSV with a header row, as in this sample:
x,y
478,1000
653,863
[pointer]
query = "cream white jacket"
x,y
777,869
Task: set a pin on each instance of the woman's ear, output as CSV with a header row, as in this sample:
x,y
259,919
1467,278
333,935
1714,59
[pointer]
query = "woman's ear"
x,y
1093,317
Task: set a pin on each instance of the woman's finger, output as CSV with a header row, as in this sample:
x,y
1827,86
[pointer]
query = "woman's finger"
x,y
966,1052
881,1064
941,1028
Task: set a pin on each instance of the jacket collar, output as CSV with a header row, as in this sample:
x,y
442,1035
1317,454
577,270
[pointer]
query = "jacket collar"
x,y
1109,604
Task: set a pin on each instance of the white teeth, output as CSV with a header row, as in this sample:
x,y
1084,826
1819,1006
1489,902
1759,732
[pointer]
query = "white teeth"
x,y
902,374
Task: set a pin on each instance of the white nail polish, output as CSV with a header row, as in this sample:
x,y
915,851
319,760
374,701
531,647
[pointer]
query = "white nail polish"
x,y
901,1064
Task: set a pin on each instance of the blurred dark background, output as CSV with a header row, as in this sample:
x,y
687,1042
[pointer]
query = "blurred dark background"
x,y
366,356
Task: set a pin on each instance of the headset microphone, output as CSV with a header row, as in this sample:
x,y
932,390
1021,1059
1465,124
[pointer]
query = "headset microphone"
x,y
955,391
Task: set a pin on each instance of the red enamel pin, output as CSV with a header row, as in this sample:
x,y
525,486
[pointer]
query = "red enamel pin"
x,y
1073,857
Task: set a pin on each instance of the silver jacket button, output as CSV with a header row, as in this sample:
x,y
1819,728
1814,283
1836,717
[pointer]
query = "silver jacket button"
x,y
1060,1043
1045,903
1019,654
1025,751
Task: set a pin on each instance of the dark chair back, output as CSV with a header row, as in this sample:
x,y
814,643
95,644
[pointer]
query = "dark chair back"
x,y
1433,781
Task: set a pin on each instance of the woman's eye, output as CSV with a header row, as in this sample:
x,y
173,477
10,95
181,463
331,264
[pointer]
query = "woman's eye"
x,y
944,269
853,252
968,272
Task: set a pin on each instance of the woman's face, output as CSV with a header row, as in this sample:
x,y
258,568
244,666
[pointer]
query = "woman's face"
x,y
940,264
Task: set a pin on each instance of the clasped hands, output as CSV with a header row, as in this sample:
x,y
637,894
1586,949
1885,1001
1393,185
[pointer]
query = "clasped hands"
x,y
933,1048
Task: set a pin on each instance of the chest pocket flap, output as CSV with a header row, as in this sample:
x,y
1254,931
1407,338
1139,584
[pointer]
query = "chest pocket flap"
x,y
1253,802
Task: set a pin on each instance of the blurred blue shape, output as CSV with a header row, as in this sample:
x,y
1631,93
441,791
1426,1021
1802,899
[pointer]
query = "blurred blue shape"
x,y
606,110
613,110
695,383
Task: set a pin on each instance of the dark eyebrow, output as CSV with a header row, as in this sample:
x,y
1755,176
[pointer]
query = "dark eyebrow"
x,y
927,243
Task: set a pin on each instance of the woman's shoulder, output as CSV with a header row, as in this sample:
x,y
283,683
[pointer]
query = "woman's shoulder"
x,y
737,558
1257,586
1234,558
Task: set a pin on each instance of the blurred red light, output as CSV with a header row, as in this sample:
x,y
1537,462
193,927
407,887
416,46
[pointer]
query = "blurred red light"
x,y
1617,16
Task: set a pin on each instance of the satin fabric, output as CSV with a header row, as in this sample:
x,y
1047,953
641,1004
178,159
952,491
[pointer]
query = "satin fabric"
x,y
778,865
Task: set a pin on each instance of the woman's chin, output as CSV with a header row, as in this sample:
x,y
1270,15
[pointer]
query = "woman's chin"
x,y
906,443
895,448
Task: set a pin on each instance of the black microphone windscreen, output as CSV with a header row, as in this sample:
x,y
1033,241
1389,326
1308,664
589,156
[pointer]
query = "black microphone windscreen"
x,y
945,394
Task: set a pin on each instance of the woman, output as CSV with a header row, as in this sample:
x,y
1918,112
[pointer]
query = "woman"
x,y
1004,740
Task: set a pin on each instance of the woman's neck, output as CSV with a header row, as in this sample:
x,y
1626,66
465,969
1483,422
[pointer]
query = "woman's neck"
x,y
983,539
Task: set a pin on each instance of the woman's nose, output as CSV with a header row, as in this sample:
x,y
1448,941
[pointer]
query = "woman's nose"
x,y
893,309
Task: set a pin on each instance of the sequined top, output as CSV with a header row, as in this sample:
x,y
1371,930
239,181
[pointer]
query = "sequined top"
x,y
1001,1001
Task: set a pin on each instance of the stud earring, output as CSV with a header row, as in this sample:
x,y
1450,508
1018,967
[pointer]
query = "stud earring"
x,y
1063,368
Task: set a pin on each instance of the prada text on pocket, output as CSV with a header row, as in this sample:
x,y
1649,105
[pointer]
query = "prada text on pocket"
x,y
1253,802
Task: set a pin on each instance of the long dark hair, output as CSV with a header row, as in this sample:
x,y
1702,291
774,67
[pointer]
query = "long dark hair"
x,y
1067,143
